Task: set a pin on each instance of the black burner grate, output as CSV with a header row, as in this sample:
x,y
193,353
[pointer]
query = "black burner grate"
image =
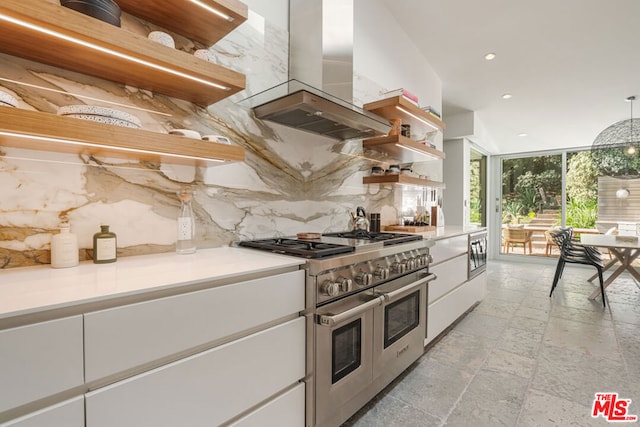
x,y
301,248
371,236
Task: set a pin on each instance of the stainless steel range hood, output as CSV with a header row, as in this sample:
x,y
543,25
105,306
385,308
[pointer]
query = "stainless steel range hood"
x,y
321,56
298,105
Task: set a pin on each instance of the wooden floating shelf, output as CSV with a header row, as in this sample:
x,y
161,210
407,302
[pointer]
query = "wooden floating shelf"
x,y
397,107
188,18
50,132
401,180
403,149
48,33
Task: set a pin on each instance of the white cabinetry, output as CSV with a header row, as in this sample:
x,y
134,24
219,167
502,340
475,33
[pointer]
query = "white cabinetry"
x,y
286,410
208,388
69,413
228,353
452,293
450,274
125,337
39,360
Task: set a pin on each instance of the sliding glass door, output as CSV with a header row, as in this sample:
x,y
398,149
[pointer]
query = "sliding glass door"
x,y
542,191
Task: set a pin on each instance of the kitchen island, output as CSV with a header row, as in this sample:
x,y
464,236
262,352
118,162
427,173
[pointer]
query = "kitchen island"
x,y
129,343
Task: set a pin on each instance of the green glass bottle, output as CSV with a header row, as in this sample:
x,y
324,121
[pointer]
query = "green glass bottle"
x,y
104,246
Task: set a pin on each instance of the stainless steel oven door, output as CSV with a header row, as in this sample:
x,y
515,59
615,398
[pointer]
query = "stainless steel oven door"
x,y
400,324
344,359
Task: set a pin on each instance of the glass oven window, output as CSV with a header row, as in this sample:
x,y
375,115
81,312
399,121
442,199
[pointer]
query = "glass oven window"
x,y
401,317
346,350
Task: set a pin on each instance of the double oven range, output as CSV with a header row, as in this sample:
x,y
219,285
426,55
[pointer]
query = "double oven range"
x,y
366,310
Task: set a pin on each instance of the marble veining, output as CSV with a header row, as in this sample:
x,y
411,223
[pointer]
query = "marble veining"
x,y
291,181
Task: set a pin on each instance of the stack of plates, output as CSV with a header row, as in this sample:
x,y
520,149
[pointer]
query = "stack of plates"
x,y
104,10
100,114
7,100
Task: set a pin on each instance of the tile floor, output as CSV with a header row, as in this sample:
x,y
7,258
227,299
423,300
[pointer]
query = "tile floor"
x,y
521,358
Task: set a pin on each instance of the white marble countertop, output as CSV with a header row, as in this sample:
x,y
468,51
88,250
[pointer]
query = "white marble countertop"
x,y
31,290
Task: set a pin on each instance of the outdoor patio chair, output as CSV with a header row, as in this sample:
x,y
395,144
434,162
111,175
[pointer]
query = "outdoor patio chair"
x,y
516,235
571,252
549,243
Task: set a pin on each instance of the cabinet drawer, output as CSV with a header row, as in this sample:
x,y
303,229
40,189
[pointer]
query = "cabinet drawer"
x,y
451,274
69,413
125,337
208,388
39,360
446,310
448,248
284,411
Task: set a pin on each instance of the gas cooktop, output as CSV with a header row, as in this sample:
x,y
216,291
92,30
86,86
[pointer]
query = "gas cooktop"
x,y
331,244
296,247
371,236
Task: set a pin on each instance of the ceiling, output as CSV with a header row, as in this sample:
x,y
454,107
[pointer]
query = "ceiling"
x,y
569,65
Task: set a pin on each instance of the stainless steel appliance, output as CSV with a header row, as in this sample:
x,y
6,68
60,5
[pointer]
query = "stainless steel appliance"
x,y
367,317
477,253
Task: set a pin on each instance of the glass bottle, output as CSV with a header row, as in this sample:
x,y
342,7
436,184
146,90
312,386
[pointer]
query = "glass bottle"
x,y
104,246
186,243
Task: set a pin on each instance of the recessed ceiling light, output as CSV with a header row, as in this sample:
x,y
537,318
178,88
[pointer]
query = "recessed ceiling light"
x,y
490,56
507,96
523,134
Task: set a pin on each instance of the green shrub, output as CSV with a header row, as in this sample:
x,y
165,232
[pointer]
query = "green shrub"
x,y
582,214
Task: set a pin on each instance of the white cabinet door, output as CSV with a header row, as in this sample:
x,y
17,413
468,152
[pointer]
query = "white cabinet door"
x,y
446,310
125,337
451,274
449,248
208,388
39,360
284,411
69,413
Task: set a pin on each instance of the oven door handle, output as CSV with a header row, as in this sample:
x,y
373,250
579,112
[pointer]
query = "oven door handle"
x,y
389,295
335,319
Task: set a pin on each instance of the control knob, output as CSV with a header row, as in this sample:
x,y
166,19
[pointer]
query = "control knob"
x,y
411,263
345,285
364,279
381,273
330,288
398,267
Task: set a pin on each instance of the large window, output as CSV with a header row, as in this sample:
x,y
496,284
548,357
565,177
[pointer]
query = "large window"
x,y
543,191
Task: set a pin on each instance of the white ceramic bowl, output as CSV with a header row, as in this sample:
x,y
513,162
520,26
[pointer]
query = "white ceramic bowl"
x,y
7,98
99,111
188,133
104,119
162,38
217,138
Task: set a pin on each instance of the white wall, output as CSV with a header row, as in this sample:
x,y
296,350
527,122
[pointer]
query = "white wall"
x,y
274,11
385,54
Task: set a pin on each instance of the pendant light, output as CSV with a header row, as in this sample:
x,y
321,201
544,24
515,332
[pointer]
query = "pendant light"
x,y
617,148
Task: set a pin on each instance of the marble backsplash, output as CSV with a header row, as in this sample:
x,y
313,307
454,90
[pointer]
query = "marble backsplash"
x,y
290,182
